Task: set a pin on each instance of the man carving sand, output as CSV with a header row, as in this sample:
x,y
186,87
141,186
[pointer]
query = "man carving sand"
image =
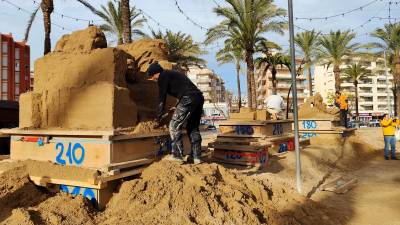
x,y
188,110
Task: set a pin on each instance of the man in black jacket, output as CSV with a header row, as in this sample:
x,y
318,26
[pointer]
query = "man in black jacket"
x,y
188,110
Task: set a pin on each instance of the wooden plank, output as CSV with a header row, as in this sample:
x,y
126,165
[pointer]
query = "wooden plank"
x,y
138,136
122,175
64,151
127,164
55,132
241,135
44,181
133,149
242,158
280,138
254,122
241,148
268,129
3,135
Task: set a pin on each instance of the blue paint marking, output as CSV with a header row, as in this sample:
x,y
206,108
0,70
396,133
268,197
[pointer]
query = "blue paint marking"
x,y
309,124
75,154
309,135
85,192
244,130
277,129
283,148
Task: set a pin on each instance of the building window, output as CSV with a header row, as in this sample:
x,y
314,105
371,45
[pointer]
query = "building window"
x,y
17,65
17,53
4,74
4,96
16,89
4,61
17,76
4,86
4,48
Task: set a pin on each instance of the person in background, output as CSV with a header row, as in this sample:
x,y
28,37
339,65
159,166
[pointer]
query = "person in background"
x,y
341,102
389,129
188,110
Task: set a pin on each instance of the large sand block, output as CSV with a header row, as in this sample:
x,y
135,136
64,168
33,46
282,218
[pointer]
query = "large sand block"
x,y
314,108
83,84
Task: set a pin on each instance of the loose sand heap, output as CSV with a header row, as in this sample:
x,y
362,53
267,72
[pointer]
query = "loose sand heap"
x,y
314,108
166,193
83,84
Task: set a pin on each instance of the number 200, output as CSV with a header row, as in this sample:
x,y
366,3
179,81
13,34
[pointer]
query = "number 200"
x,y
73,157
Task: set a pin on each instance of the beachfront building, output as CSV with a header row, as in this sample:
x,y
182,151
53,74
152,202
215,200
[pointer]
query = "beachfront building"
x,y
212,85
374,92
284,78
14,68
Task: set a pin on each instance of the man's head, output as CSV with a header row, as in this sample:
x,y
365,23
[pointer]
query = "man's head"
x,y
154,70
386,116
337,93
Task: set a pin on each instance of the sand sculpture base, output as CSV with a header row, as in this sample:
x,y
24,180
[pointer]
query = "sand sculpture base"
x,y
108,154
325,131
250,142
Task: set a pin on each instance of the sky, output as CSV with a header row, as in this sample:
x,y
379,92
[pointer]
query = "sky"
x,y
13,19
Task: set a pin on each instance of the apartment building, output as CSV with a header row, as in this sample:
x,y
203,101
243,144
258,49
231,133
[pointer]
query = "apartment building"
x,y
14,68
284,78
374,92
212,86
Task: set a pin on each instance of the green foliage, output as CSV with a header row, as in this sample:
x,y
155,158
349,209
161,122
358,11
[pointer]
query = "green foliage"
x,y
335,46
180,48
355,73
112,15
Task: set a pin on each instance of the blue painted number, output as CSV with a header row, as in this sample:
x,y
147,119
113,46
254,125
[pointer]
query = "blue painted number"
x,y
309,124
75,154
246,130
277,129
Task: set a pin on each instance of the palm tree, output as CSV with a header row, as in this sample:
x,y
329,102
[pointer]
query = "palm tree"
x,y
112,15
232,54
47,7
126,21
248,20
271,62
180,48
355,73
390,42
334,47
308,43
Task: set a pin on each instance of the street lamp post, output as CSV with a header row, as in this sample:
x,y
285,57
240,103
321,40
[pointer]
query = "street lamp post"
x,y
389,102
294,96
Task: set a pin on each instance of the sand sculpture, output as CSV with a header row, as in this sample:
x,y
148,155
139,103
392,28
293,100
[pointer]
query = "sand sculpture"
x,y
314,108
83,84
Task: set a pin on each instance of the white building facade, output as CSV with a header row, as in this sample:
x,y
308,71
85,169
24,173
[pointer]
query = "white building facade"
x,y
374,92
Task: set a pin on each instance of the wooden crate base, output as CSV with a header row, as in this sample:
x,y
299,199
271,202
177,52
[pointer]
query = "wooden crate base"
x,y
255,128
243,158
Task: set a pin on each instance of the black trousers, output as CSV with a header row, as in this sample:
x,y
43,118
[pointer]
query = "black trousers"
x,y
189,111
343,117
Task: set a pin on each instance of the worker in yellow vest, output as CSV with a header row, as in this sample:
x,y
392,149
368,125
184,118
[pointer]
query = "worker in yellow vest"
x,y
342,103
389,130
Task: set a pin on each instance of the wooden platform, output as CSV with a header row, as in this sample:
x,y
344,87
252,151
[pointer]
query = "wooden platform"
x,y
113,154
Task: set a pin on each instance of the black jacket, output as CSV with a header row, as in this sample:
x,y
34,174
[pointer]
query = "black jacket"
x,y
175,84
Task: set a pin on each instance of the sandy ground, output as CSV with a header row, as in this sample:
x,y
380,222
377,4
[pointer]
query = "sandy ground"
x,y
209,193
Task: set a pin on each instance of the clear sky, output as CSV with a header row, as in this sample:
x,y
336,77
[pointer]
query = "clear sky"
x,y
165,12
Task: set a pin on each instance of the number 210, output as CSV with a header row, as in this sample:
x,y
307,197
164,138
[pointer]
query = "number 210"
x,y
73,157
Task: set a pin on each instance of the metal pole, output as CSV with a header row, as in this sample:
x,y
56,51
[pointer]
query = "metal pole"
x,y
294,96
389,102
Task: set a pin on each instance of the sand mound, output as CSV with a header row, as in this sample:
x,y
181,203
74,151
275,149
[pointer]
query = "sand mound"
x,y
82,41
60,209
207,194
314,108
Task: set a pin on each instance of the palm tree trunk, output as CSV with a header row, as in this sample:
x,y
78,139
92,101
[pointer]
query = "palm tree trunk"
x,y
126,21
336,72
274,81
47,8
356,93
238,85
310,87
395,98
251,101
397,81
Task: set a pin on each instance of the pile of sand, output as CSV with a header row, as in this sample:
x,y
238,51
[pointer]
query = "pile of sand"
x,y
314,108
168,193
